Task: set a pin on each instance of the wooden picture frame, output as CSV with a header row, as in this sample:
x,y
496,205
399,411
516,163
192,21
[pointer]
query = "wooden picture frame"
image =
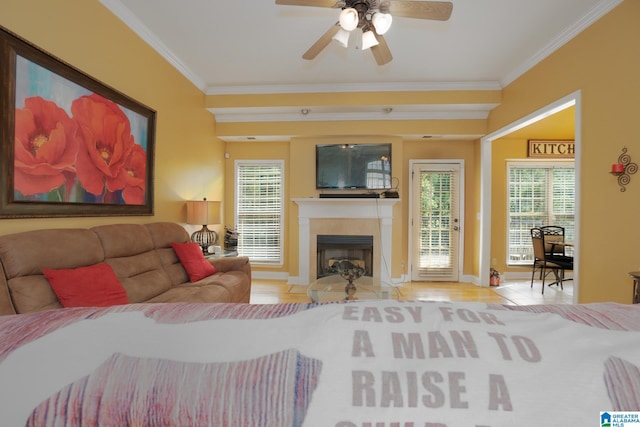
x,y
70,146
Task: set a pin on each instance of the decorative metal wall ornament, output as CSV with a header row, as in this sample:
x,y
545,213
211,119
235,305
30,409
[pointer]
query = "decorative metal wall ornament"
x,y
624,169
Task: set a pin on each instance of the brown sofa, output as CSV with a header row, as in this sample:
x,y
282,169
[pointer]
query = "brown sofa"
x,y
140,254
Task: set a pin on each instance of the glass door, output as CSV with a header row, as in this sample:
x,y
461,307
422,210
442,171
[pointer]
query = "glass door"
x,y
435,222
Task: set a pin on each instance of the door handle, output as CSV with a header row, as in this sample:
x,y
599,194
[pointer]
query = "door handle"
x,y
456,228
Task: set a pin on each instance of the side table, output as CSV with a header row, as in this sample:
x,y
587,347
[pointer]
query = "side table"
x,y
224,254
635,275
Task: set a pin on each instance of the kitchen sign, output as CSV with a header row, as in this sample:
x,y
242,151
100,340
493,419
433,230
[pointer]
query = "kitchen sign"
x,y
551,148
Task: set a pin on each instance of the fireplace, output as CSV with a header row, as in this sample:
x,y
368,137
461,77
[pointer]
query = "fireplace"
x,y
347,217
331,248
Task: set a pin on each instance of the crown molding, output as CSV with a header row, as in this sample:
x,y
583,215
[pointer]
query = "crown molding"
x,y
352,87
594,14
131,20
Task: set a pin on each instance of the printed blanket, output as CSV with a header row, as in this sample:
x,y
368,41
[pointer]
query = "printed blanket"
x,y
355,364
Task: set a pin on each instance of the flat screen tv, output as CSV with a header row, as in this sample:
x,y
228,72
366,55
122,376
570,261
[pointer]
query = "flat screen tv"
x,y
353,166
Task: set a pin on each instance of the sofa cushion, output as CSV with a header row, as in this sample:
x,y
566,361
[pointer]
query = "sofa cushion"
x,y
129,250
193,261
91,286
24,255
163,234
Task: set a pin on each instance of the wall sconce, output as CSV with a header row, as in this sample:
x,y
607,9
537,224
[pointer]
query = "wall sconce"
x,y
623,169
203,212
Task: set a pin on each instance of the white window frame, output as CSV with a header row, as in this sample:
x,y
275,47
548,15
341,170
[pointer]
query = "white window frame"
x,y
510,261
275,261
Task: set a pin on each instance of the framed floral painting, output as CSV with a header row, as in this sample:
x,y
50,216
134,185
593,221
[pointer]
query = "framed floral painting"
x,y
70,145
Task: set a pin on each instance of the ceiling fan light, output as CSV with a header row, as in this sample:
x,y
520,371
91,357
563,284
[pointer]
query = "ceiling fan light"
x,y
349,19
381,22
368,40
342,37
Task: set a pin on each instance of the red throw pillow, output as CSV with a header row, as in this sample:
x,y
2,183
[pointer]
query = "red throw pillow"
x,y
193,260
93,286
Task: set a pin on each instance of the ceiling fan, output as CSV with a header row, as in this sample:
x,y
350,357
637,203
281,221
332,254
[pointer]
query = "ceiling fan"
x,y
374,18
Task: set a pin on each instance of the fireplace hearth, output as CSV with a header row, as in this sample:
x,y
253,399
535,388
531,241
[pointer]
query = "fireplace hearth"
x,y
352,217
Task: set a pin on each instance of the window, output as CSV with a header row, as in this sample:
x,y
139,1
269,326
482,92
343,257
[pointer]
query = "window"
x,y
538,194
259,210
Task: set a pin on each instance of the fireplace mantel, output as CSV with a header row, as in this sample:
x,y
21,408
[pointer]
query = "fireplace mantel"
x,y
380,210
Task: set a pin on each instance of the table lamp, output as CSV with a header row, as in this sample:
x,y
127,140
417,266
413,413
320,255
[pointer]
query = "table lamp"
x,y
203,212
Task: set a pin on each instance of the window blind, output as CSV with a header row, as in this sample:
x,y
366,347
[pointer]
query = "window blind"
x,y
538,194
437,247
259,210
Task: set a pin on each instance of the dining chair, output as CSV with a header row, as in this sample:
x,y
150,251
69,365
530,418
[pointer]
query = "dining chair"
x,y
553,239
544,261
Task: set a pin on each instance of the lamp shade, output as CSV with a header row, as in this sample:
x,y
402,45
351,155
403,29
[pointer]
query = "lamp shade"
x,y
381,22
349,19
342,37
203,212
368,40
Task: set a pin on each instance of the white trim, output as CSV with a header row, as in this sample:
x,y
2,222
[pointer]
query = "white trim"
x,y
573,99
135,24
351,87
281,164
594,14
445,112
247,138
132,21
546,164
345,208
461,207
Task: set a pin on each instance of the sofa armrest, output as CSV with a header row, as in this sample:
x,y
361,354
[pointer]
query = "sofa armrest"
x,y
240,263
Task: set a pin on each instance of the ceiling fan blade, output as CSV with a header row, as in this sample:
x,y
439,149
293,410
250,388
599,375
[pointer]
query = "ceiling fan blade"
x,y
322,42
381,51
314,3
436,10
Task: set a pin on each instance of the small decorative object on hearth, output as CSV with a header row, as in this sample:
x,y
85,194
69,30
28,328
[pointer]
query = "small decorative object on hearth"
x,y
350,272
203,212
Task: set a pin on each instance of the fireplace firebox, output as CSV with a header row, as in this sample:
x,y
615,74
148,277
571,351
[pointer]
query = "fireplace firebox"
x,y
333,248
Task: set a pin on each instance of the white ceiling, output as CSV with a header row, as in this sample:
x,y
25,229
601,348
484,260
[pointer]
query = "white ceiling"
x,y
219,44
256,46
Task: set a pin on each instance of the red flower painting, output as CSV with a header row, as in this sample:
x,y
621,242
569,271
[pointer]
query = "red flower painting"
x,y
46,147
105,162
135,177
71,146
92,152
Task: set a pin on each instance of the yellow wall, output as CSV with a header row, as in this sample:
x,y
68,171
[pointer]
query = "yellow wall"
x,y
274,150
559,126
299,156
188,158
602,64
450,150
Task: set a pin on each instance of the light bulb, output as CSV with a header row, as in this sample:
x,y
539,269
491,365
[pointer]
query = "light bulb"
x,y
349,19
381,22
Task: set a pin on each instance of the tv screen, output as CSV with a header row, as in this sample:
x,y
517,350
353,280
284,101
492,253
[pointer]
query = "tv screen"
x,y
353,166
